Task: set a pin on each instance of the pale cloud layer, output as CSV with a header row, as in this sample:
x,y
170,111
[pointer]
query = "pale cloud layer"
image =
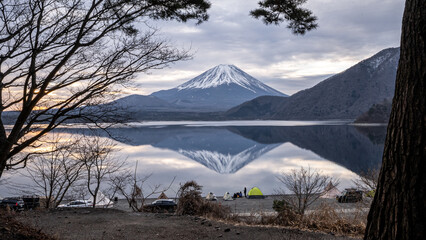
x,y
349,32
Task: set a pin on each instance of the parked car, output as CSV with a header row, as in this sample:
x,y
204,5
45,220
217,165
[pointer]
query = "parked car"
x,y
350,195
31,202
161,205
13,203
77,204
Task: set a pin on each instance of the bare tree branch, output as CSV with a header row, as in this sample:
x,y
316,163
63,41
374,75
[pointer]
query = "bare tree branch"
x,y
59,57
306,186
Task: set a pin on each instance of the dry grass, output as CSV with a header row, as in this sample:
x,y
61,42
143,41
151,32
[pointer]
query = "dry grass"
x,y
191,203
214,210
324,219
327,218
13,229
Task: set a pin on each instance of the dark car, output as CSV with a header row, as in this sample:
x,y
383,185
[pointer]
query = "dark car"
x,y
31,202
13,203
161,205
350,195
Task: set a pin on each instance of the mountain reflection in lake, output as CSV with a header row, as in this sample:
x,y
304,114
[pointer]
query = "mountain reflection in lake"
x,y
229,158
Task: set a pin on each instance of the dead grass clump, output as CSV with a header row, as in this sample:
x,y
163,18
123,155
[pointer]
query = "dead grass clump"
x,y
328,219
190,202
325,219
287,216
214,210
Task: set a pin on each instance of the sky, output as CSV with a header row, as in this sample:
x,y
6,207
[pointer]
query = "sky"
x,y
349,31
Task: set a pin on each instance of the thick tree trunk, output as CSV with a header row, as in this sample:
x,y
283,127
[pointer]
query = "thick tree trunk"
x,y
4,151
399,206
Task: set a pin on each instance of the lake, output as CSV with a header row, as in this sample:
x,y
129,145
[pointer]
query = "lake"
x,y
228,156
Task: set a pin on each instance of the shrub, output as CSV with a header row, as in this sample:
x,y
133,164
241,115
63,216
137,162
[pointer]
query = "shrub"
x,y
191,203
214,210
190,200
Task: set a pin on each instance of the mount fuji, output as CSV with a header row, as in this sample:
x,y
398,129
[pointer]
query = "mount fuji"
x,y
219,88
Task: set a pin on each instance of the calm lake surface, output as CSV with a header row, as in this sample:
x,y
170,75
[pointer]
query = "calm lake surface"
x,y
228,156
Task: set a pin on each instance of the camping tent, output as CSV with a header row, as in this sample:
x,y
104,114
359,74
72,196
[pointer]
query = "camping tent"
x,y
227,197
255,193
211,197
162,196
330,191
102,201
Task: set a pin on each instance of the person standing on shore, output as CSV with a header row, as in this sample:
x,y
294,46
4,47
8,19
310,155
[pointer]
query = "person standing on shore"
x,y
245,192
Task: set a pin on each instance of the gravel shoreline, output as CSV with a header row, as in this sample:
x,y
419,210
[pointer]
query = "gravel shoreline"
x,y
116,224
120,222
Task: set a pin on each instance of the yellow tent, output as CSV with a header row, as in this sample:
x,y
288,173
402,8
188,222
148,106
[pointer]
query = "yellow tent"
x,y
255,193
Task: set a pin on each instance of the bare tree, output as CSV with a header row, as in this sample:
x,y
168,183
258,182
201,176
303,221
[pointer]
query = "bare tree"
x,y
54,173
367,181
136,190
99,163
306,185
59,57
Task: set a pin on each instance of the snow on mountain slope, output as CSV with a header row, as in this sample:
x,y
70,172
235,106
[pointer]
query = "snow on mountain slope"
x,y
226,163
226,74
219,88
380,58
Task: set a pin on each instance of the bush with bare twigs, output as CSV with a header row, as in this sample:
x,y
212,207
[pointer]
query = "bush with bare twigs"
x,y
367,181
190,199
305,186
191,203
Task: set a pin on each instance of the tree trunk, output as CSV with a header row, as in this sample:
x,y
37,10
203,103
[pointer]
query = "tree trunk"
x,y
399,206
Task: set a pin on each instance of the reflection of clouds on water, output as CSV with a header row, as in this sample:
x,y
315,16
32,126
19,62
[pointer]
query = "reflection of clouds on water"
x,y
262,172
230,158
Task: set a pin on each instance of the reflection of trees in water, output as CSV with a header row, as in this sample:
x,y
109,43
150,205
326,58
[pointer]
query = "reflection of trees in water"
x,y
376,134
344,145
356,148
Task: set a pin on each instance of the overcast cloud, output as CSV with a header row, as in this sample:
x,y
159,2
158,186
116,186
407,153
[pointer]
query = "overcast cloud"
x,y
349,31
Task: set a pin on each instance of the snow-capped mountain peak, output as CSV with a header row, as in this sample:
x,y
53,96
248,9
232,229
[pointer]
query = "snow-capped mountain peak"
x,y
217,89
224,74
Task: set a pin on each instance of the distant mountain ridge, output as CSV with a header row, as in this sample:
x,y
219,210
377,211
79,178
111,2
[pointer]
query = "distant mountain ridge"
x,y
343,96
219,88
135,102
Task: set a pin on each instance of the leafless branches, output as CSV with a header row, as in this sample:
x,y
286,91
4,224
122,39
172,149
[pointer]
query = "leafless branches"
x,y
81,164
60,58
367,181
306,186
55,172
99,163
136,190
